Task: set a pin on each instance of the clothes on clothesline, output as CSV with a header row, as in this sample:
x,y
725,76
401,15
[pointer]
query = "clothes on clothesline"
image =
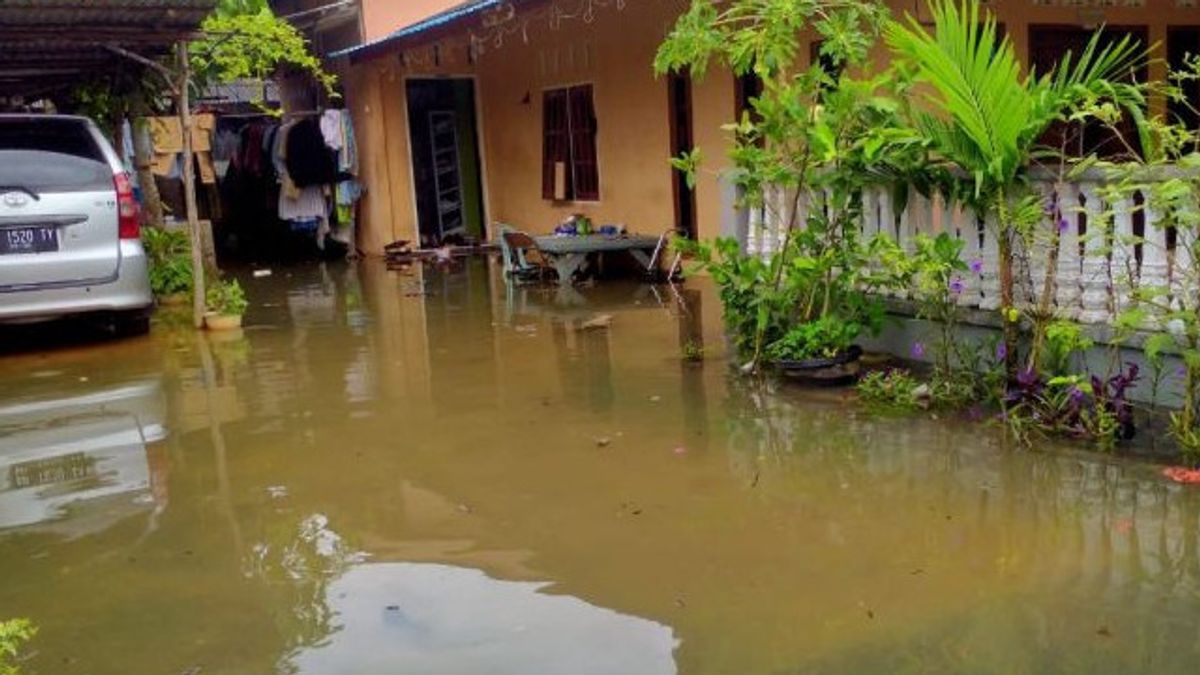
x,y
307,203
348,154
331,128
166,139
312,159
309,160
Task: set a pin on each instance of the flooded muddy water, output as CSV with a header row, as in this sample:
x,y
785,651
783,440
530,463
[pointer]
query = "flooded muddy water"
x,y
435,473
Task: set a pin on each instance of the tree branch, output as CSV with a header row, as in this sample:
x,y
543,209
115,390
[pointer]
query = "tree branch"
x,y
157,67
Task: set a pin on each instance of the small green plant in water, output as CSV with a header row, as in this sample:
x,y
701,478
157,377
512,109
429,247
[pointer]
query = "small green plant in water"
x,y
13,634
226,297
693,351
894,389
824,337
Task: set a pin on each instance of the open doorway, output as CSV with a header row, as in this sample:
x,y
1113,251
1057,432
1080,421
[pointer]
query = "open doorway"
x,y
445,156
679,103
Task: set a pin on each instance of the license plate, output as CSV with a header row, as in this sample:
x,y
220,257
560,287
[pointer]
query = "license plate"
x,y
33,239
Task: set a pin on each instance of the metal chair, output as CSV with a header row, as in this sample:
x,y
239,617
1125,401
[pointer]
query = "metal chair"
x,y
675,270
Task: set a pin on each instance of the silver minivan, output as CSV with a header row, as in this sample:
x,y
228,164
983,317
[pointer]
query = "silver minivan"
x,y
69,235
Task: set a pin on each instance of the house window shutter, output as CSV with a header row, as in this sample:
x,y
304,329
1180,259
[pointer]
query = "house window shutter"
x,y
584,171
569,169
556,140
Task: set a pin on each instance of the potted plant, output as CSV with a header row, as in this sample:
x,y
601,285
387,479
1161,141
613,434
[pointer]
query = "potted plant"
x,y
819,352
226,303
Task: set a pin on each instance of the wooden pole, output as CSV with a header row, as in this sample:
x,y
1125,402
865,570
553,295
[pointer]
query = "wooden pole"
x,y
189,185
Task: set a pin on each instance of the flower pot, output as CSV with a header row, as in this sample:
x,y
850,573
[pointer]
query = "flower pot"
x,y
215,321
835,371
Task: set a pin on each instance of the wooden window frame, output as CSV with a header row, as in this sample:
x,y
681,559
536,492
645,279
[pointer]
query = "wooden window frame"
x,y
569,135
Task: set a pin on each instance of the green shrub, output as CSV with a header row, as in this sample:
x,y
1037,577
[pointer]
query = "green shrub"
x,y
894,389
824,337
226,297
169,255
13,633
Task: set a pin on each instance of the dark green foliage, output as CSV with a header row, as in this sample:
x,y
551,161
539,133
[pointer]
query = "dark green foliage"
x,y
170,259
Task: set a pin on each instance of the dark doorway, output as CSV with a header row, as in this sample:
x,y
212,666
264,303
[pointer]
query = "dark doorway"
x,y
1047,46
445,156
1183,43
679,91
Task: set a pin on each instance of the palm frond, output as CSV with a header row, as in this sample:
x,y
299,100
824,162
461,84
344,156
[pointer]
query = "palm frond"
x,y
975,78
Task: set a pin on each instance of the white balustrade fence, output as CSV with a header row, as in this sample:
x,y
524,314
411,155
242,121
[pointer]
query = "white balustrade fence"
x,y
1100,257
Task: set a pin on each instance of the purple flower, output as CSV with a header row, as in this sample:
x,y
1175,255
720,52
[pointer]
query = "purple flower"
x,y
1063,225
1077,395
1001,351
1181,372
1050,205
957,286
918,350
976,265
1027,378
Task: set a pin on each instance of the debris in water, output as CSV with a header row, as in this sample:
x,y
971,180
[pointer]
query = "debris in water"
x,y
680,450
1103,631
603,441
277,491
655,399
258,274
598,321
922,396
464,508
1182,475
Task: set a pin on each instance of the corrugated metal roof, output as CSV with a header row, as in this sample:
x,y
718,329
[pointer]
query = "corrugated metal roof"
x,y
45,43
451,15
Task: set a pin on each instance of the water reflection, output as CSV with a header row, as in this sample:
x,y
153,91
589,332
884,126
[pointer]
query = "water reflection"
x,y
91,453
443,619
446,444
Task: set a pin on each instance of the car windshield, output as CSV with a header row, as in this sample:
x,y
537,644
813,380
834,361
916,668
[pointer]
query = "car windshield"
x,y
50,155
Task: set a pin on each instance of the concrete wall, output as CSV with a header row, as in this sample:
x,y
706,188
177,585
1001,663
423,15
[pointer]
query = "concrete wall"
x,y
614,54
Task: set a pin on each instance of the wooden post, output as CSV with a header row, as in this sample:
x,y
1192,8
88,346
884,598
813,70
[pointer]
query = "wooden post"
x,y
189,185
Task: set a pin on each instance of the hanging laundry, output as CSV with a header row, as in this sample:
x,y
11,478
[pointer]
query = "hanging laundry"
x,y
348,154
331,128
308,160
308,203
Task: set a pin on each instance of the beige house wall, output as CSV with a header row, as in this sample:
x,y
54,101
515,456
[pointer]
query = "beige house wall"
x,y
381,17
614,54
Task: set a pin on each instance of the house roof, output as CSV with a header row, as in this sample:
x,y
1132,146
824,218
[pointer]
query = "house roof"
x,y
453,14
46,44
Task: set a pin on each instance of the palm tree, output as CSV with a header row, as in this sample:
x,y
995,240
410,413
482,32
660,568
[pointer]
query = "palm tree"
x,y
986,116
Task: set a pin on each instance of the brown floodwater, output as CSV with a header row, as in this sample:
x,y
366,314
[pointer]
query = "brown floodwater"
x,y
430,472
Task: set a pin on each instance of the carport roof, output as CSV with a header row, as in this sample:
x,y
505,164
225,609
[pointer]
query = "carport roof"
x,y
49,44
